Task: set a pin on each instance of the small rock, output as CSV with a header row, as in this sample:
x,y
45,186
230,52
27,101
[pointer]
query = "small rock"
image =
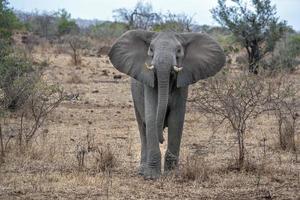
x,y
118,76
105,72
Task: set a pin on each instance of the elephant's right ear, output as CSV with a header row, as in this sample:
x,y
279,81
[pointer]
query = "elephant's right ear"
x,y
129,53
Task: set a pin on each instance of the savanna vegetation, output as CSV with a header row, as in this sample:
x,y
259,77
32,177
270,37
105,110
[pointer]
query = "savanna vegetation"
x,y
67,126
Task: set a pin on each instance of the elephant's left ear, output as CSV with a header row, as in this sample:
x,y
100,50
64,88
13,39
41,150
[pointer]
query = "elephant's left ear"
x,y
203,58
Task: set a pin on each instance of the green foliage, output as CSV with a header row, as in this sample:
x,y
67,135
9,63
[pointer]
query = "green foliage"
x,y
17,78
65,24
169,26
108,29
174,22
8,20
4,48
228,42
255,26
285,54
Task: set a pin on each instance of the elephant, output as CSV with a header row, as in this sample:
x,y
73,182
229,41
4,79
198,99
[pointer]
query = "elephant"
x,y
162,65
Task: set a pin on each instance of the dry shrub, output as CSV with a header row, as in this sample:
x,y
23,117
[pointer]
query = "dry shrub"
x,y
286,130
60,48
194,169
105,159
102,159
77,44
285,105
235,99
80,156
238,98
23,124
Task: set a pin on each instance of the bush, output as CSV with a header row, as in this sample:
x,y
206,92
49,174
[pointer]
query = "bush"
x,y
65,24
77,44
238,98
285,54
284,103
194,169
25,100
17,77
107,30
8,20
233,98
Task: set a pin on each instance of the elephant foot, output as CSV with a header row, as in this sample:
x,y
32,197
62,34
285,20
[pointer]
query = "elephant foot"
x,y
152,173
171,161
141,170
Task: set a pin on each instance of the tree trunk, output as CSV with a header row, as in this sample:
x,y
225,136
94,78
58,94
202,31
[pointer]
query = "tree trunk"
x,y
2,146
254,57
240,134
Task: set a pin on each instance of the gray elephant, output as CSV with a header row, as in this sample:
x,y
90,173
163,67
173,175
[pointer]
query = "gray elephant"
x,y
162,66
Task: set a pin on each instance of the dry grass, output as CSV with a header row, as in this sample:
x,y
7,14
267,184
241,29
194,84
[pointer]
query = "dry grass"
x,y
49,167
194,169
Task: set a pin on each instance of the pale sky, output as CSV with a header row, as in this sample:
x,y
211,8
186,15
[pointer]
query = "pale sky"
x,y
102,9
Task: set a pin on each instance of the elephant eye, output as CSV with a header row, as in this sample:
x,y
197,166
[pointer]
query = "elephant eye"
x,y
150,52
178,53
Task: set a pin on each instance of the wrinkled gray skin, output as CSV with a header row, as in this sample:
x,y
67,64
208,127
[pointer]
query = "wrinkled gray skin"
x,y
160,94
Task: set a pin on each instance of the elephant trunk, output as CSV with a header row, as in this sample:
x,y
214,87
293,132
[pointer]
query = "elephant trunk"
x,y
163,79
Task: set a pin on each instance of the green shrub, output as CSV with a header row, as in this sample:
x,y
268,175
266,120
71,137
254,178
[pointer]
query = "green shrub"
x,y
285,54
228,42
17,78
107,29
65,24
8,20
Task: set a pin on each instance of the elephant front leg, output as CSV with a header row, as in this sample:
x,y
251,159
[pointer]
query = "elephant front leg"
x,y
142,130
153,163
175,128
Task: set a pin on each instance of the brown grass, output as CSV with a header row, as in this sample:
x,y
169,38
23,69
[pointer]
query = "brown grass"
x,y
49,168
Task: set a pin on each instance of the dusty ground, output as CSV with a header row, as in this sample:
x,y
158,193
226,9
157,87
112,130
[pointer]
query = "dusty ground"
x,y
103,111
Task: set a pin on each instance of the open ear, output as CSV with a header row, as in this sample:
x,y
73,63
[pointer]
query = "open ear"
x,y
129,53
203,58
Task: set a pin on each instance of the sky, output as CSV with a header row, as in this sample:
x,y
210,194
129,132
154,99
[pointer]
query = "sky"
x,y
102,9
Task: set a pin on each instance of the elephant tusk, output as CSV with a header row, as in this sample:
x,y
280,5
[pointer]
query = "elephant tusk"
x,y
149,66
177,69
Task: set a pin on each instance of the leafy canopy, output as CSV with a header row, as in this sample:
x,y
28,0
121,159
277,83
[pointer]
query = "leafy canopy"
x,y
254,23
8,20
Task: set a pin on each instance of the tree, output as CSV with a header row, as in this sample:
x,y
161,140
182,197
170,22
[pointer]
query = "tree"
x,y
255,26
176,22
65,24
107,29
141,17
44,24
77,44
8,20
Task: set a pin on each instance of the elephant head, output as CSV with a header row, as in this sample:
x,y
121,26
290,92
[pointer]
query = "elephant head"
x,y
151,57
